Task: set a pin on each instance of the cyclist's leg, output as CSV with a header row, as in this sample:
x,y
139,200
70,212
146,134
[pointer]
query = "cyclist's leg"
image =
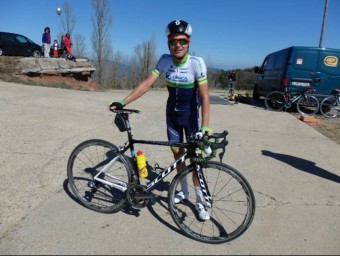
x,y
189,122
178,125
232,86
175,134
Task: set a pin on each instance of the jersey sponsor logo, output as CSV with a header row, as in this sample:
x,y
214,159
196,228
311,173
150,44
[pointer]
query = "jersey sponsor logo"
x,y
184,70
175,78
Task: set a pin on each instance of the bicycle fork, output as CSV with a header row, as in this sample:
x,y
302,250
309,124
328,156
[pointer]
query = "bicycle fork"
x,y
203,185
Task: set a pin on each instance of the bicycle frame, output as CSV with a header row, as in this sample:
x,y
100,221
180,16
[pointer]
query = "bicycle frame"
x,y
289,99
129,145
293,99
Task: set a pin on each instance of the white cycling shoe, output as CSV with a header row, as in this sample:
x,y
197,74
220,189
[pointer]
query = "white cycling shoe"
x,y
202,212
180,196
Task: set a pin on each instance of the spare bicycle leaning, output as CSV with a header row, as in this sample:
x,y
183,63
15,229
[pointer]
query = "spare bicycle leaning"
x,y
306,103
330,106
104,179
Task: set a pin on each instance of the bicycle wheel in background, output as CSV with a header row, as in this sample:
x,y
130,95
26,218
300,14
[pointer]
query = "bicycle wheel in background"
x,y
308,105
232,210
85,162
275,101
329,107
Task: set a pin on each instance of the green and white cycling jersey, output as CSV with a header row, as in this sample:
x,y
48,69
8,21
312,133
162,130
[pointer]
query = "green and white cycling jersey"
x,y
182,80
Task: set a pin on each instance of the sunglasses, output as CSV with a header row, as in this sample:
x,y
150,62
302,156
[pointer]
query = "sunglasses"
x,y
182,41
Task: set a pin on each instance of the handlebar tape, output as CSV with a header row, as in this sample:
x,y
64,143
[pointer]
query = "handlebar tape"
x,y
217,145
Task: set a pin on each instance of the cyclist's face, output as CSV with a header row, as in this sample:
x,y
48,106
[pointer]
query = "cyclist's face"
x,y
178,46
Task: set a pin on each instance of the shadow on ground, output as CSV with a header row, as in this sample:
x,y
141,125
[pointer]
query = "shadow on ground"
x,y
303,165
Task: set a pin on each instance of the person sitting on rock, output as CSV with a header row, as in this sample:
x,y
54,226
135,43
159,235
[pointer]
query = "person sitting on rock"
x,y
68,46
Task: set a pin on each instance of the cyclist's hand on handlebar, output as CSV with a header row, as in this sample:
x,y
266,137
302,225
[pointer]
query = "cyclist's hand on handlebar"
x,y
206,130
116,105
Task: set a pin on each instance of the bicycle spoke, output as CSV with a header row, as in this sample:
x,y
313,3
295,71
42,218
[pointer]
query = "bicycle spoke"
x,y
308,105
232,210
330,107
275,101
98,176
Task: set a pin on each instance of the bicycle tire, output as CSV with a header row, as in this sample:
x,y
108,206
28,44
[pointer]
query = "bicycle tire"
x,y
232,210
308,106
328,107
86,161
275,101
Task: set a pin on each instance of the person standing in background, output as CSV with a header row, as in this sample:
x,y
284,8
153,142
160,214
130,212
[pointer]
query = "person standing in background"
x,y
232,80
46,40
55,49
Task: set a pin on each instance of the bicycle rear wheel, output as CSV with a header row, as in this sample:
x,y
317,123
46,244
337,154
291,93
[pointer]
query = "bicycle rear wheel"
x,y
308,105
275,101
232,210
99,158
329,107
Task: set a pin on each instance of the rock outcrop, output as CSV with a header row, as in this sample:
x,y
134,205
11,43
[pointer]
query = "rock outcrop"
x,y
57,71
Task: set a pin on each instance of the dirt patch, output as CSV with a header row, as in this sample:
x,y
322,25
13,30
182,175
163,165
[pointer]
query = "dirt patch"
x,y
73,81
330,127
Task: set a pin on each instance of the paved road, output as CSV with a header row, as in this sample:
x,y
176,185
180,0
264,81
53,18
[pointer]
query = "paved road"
x,y
293,169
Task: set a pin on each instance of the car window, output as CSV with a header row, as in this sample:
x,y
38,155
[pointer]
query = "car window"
x,y
8,38
21,39
29,40
270,62
280,60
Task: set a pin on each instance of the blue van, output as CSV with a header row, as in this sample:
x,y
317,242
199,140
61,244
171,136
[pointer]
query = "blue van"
x,y
298,67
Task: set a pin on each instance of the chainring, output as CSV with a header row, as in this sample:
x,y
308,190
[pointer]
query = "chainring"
x,y
137,190
287,104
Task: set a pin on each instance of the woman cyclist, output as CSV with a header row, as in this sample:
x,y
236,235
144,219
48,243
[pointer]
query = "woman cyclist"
x,y
186,80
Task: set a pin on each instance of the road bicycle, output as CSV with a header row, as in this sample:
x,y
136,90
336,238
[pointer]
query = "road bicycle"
x,y
104,178
306,103
330,106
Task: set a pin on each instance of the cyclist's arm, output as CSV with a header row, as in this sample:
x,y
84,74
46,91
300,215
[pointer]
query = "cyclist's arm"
x,y
204,94
142,88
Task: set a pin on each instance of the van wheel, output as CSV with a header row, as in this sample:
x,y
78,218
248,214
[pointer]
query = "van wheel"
x,y
256,97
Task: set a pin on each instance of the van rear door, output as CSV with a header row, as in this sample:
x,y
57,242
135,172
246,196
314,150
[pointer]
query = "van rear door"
x,y
328,73
303,67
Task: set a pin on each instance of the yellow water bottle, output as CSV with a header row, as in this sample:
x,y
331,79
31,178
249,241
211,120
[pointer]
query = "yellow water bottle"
x,y
141,165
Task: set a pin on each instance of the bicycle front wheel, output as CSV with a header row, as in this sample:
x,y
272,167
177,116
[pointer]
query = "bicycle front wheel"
x,y
329,107
98,175
232,209
308,105
275,101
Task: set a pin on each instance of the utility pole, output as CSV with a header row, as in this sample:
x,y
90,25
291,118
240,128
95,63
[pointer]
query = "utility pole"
x,y
323,23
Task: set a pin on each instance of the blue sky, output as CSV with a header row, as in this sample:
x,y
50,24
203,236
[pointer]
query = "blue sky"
x,y
227,34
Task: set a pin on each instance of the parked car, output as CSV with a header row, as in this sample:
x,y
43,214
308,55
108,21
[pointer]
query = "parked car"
x,y
18,45
297,67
